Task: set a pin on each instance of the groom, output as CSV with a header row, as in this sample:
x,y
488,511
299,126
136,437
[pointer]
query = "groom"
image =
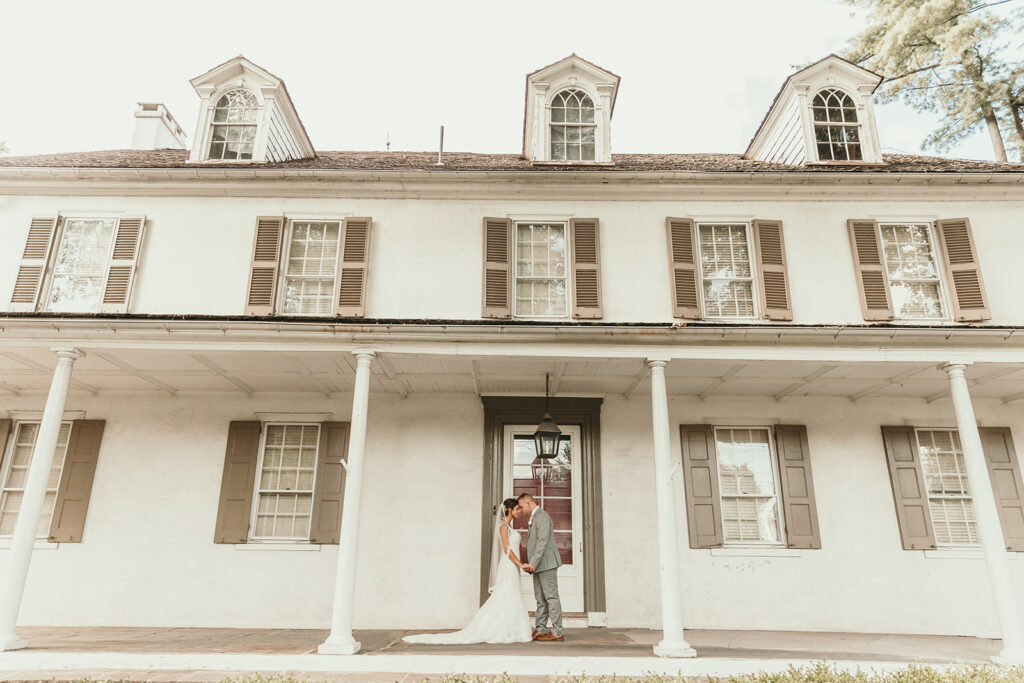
x,y
543,564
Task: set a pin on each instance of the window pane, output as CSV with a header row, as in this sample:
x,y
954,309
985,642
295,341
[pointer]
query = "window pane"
x,y
80,266
747,479
21,454
945,475
913,272
284,504
541,270
725,267
311,268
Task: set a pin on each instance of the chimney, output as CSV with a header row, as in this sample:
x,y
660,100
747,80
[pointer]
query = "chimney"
x,y
155,128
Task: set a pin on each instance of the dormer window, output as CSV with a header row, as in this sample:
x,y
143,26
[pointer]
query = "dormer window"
x,y
234,126
573,130
836,129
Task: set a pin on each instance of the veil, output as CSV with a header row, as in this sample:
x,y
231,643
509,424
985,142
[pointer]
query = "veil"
x,y
496,550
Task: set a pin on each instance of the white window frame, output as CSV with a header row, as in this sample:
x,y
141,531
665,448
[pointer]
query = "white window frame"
x,y
776,475
8,458
815,125
42,305
254,512
928,495
579,125
565,223
754,274
282,267
944,300
257,124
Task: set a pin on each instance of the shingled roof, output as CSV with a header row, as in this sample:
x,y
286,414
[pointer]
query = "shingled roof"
x,y
461,161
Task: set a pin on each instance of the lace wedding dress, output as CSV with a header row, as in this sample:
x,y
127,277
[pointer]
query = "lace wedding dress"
x,y
502,619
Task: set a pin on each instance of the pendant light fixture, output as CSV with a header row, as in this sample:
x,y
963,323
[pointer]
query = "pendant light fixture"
x,y
547,434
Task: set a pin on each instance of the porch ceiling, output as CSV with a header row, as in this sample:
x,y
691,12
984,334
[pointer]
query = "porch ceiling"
x,y
177,372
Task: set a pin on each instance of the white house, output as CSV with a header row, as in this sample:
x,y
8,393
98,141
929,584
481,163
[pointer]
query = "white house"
x,y
278,387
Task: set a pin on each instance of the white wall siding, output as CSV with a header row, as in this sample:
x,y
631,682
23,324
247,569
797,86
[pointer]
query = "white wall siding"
x,y
785,144
280,143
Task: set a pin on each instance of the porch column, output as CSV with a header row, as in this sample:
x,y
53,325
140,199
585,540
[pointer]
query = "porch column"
x,y
986,513
341,642
672,644
16,571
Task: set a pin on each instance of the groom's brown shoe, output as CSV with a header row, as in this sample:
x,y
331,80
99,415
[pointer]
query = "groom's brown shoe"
x,y
533,636
549,637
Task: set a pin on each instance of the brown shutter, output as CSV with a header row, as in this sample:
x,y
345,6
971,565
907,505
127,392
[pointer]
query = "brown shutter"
x,y
75,487
798,506
5,429
909,490
353,267
34,260
266,259
586,267
123,264
683,263
325,527
771,266
968,289
237,483
700,474
1004,471
497,268
872,280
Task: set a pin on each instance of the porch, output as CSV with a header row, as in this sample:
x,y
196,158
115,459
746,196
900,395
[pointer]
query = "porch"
x,y
200,654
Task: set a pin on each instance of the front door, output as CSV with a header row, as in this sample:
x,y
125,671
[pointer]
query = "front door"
x,y
556,486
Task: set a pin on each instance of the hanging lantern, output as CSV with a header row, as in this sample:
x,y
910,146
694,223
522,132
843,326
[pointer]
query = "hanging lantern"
x,y
547,434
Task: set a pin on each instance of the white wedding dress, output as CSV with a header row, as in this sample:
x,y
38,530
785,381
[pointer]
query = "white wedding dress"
x,y
502,619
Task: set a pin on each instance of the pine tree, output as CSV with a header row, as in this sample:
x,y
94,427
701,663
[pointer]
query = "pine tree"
x,y
944,56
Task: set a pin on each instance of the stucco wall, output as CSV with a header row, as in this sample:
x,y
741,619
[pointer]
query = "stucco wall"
x,y
426,254
148,556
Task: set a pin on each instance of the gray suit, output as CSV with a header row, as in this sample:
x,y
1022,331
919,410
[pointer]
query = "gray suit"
x,y
543,555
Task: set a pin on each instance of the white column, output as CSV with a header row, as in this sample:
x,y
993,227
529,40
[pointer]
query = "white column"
x,y
672,644
341,641
986,513
16,571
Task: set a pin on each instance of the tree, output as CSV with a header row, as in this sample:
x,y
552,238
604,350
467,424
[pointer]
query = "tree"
x,y
944,56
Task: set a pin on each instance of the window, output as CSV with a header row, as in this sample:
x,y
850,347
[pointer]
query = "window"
x,y
573,129
80,265
541,274
949,497
726,271
284,487
749,486
311,266
911,265
17,461
836,130
234,126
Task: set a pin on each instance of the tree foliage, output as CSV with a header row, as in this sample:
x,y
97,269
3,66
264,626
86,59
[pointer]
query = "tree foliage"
x,y
946,56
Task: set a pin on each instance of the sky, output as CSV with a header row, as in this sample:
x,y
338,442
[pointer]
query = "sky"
x,y
696,77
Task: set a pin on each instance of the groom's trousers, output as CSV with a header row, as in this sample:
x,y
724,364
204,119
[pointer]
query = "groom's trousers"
x,y
545,589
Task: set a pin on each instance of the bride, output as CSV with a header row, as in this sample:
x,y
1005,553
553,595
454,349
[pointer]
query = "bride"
x,y
503,618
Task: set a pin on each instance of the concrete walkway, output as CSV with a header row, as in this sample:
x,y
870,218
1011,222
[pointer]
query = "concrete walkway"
x,y
196,654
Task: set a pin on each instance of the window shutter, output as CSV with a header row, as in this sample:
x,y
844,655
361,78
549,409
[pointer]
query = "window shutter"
x,y
798,507
266,259
5,430
237,483
123,264
34,260
1006,482
325,526
353,265
909,491
586,267
497,268
700,472
682,253
961,258
871,276
771,266
75,487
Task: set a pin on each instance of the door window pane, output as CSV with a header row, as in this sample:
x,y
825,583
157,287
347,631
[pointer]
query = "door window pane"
x,y
549,481
80,266
949,496
913,272
20,458
285,487
726,271
311,269
746,473
541,270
